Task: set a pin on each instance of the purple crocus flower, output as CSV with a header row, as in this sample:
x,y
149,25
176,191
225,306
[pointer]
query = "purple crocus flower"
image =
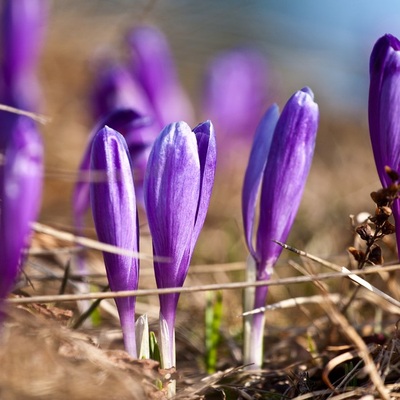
x,y
21,175
23,26
280,160
114,211
153,67
235,92
384,111
177,190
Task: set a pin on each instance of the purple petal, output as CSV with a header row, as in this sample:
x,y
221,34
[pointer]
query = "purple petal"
x,y
115,217
235,88
154,68
384,62
23,26
125,121
285,175
254,172
171,194
20,193
389,111
207,149
383,111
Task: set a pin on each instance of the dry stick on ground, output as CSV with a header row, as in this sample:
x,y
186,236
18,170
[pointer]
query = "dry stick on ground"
x,y
352,275
116,250
203,288
348,330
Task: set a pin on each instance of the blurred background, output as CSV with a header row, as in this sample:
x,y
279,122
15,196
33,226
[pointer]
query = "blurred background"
x,y
324,45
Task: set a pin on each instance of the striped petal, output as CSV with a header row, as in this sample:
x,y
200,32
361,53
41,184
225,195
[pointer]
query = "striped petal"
x,y
114,212
255,170
285,175
171,193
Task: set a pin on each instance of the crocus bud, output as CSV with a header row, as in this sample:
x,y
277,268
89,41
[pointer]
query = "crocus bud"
x,y
114,212
177,190
235,93
22,26
153,67
383,112
21,175
280,161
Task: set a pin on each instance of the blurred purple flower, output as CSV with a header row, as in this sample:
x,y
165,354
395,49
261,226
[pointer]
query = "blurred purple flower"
x,y
280,161
384,111
177,190
21,174
154,69
114,88
22,26
114,211
235,92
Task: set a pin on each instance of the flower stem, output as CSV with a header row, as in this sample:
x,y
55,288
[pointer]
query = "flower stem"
x,y
127,319
167,348
253,324
254,332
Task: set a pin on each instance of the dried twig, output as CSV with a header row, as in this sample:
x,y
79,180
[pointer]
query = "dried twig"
x,y
352,275
294,302
201,288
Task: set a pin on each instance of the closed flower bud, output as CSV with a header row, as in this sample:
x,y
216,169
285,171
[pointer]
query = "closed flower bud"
x,y
114,212
177,190
279,162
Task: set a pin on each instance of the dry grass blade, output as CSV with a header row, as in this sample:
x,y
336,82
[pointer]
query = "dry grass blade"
x,y
352,275
363,351
192,289
90,243
36,117
333,363
348,330
288,303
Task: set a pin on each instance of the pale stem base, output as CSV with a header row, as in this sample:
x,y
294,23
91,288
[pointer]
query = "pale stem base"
x,y
167,350
128,331
253,328
142,337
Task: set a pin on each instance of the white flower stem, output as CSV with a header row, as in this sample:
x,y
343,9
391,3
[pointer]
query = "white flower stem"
x,y
253,324
167,350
